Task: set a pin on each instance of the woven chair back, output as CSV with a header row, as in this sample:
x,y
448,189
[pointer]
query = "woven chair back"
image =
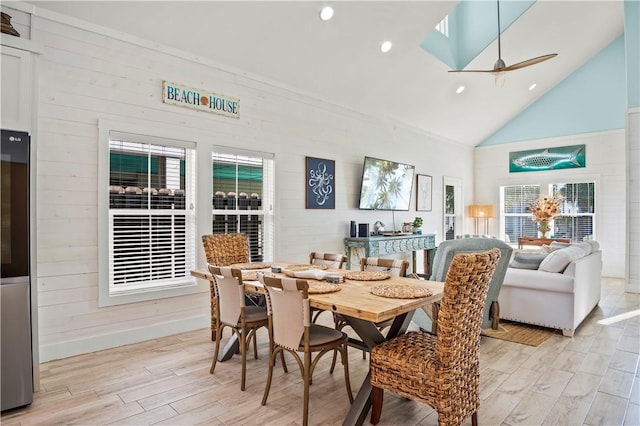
x,y
460,317
330,260
226,249
395,267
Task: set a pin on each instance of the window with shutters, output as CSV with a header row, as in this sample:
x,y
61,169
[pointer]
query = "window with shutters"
x,y
150,220
516,217
576,220
243,198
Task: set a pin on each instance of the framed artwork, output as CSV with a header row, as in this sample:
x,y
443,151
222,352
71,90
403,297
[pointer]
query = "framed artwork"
x,y
424,193
320,183
564,157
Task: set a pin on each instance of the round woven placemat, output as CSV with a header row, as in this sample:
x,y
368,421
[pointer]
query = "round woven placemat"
x,y
250,276
367,275
319,287
251,265
400,291
303,267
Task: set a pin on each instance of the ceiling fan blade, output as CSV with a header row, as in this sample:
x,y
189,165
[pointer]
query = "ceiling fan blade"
x,y
490,71
529,62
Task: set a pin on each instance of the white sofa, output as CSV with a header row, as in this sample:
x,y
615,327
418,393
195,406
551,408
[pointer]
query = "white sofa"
x,y
561,299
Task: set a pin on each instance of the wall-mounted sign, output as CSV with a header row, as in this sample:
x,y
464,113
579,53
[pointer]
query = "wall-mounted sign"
x,y
565,157
201,100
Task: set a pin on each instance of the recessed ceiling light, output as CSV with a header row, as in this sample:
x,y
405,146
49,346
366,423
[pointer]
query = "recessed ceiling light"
x,y
326,13
386,46
460,89
533,86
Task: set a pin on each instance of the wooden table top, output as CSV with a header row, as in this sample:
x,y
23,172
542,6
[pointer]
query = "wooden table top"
x,y
354,298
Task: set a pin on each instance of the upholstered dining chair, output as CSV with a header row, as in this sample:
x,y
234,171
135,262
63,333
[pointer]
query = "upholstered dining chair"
x,y
444,255
223,250
232,312
448,374
330,260
395,267
291,330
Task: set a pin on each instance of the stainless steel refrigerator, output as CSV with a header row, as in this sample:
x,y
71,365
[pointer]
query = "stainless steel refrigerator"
x,y
16,375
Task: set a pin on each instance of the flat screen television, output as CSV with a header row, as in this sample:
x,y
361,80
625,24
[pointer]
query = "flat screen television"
x,y
386,185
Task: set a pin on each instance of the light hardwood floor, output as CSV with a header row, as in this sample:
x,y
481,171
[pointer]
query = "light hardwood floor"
x,y
590,379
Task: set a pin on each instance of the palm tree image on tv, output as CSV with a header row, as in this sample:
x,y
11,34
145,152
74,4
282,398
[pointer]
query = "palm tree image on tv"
x,y
386,185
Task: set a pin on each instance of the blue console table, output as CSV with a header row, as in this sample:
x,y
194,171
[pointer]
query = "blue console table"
x,y
381,245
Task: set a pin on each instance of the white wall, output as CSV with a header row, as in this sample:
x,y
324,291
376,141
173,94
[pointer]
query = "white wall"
x,y
87,74
605,159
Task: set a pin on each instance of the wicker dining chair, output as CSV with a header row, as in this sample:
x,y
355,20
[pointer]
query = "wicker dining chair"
x,y
447,376
232,312
291,330
330,260
223,250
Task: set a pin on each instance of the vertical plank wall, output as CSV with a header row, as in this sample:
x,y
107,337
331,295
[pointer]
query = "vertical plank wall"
x,y
605,159
87,74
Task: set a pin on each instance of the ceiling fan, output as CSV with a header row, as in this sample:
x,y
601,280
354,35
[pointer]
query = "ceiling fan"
x,y
500,68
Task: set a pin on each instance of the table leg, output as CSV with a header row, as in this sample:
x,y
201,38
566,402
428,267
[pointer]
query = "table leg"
x,y
371,336
230,349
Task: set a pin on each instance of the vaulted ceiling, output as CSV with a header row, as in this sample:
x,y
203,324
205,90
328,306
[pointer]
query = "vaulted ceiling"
x,y
339,60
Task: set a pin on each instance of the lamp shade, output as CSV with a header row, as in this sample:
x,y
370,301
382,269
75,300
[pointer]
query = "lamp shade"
x,y
480,210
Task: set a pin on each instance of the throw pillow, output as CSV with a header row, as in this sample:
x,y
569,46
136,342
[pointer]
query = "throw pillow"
x,y
527,260
595,246
558,260
558,244
585,246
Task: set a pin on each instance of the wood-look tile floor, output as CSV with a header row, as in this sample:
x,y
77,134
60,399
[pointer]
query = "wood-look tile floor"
x,y
590,379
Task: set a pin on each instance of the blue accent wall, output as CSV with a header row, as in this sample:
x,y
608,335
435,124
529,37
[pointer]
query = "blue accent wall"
x,y
632,48
593,98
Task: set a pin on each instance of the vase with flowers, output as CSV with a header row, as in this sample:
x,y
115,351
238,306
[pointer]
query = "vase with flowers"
x,y
543,210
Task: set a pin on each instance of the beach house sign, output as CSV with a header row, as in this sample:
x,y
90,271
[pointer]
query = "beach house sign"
x,y
201,100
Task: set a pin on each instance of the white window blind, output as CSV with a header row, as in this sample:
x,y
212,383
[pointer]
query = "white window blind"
x,y
516,217
243,192
578,210
151,219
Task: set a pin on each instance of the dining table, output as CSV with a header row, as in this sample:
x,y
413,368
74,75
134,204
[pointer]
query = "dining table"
x,y
361,309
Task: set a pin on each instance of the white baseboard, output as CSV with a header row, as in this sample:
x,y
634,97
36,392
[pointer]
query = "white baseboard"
x,y
86,345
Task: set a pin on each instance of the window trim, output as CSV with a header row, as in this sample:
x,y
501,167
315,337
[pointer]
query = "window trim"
x,y
105,298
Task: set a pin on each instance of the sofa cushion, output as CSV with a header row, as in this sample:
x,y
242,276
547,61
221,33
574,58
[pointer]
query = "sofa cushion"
x,y
538,280
595,246
558,260
527,259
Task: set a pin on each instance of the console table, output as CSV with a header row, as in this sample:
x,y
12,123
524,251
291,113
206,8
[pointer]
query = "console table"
x,y
381,245
533,241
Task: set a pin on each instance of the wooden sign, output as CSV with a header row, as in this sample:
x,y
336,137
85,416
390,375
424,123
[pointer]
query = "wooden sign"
x,y
201,100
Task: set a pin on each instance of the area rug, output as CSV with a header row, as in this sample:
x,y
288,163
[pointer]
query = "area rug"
x,y
525,334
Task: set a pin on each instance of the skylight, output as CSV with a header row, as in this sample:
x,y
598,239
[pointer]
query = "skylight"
x,y
443,26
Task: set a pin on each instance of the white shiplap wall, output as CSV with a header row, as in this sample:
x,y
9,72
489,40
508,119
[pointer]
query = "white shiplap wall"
x,y
89,74
605,155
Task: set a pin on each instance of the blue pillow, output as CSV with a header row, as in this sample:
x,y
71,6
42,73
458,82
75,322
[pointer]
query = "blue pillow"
x,y
527,260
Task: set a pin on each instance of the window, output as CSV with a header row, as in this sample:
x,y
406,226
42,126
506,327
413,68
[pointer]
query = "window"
x,y
243,198
149,184
577,211
452,202
576,220
443,26
516,217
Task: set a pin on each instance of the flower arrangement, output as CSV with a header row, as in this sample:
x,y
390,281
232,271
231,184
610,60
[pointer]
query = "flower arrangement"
x,y
543,210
